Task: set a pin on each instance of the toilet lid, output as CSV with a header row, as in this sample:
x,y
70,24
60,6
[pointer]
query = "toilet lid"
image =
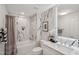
x,y
37,49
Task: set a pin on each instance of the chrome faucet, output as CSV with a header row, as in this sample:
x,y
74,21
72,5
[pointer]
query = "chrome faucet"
x,y
78,42
73,43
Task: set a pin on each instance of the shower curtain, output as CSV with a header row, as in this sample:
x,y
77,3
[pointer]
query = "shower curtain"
x,y
10,46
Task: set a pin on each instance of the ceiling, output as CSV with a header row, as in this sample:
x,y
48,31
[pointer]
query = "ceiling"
x,y
68,8
26,9
30,9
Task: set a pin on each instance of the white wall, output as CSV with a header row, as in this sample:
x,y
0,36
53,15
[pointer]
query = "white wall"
x,y
51,23
70,24
3,12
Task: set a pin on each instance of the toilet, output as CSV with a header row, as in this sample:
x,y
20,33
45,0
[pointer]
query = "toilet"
x,y
37,51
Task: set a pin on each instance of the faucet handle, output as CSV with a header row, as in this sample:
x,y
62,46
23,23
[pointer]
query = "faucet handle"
x,y
73,42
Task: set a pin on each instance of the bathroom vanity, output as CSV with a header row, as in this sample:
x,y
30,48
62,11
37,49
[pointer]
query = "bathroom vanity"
x,y
50,48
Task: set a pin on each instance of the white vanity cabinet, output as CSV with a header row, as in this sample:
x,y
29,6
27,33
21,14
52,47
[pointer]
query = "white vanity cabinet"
x,y
49,51
50,48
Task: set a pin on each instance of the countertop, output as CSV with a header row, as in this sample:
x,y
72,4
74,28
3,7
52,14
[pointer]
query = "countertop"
x,y
64,49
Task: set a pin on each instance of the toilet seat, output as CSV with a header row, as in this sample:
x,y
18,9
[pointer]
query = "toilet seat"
x,y
37,50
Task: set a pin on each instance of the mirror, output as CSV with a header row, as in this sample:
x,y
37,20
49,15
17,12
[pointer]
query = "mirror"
x,y
68,21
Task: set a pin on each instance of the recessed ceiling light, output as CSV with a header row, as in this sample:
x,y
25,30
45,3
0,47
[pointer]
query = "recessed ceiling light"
x,y
22,13
64,12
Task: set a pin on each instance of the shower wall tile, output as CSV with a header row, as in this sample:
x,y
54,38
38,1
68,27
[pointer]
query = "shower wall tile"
x,y
33,27
22,28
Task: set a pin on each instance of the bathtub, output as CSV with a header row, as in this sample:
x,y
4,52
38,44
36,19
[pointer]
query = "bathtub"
x,y
25,47
1,48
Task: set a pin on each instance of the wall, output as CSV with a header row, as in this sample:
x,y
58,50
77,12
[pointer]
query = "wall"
x,y
48,15
70,25
51,23
40,34
33,26
3,12
22,28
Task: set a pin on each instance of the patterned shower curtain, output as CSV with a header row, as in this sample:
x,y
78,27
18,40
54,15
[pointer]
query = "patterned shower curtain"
x,y
10,46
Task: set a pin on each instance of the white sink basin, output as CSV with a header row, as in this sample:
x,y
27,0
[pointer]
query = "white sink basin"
x,y
75,50
65,48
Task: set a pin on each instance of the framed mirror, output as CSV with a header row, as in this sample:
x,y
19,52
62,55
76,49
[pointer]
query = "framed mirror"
x,y
45,26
